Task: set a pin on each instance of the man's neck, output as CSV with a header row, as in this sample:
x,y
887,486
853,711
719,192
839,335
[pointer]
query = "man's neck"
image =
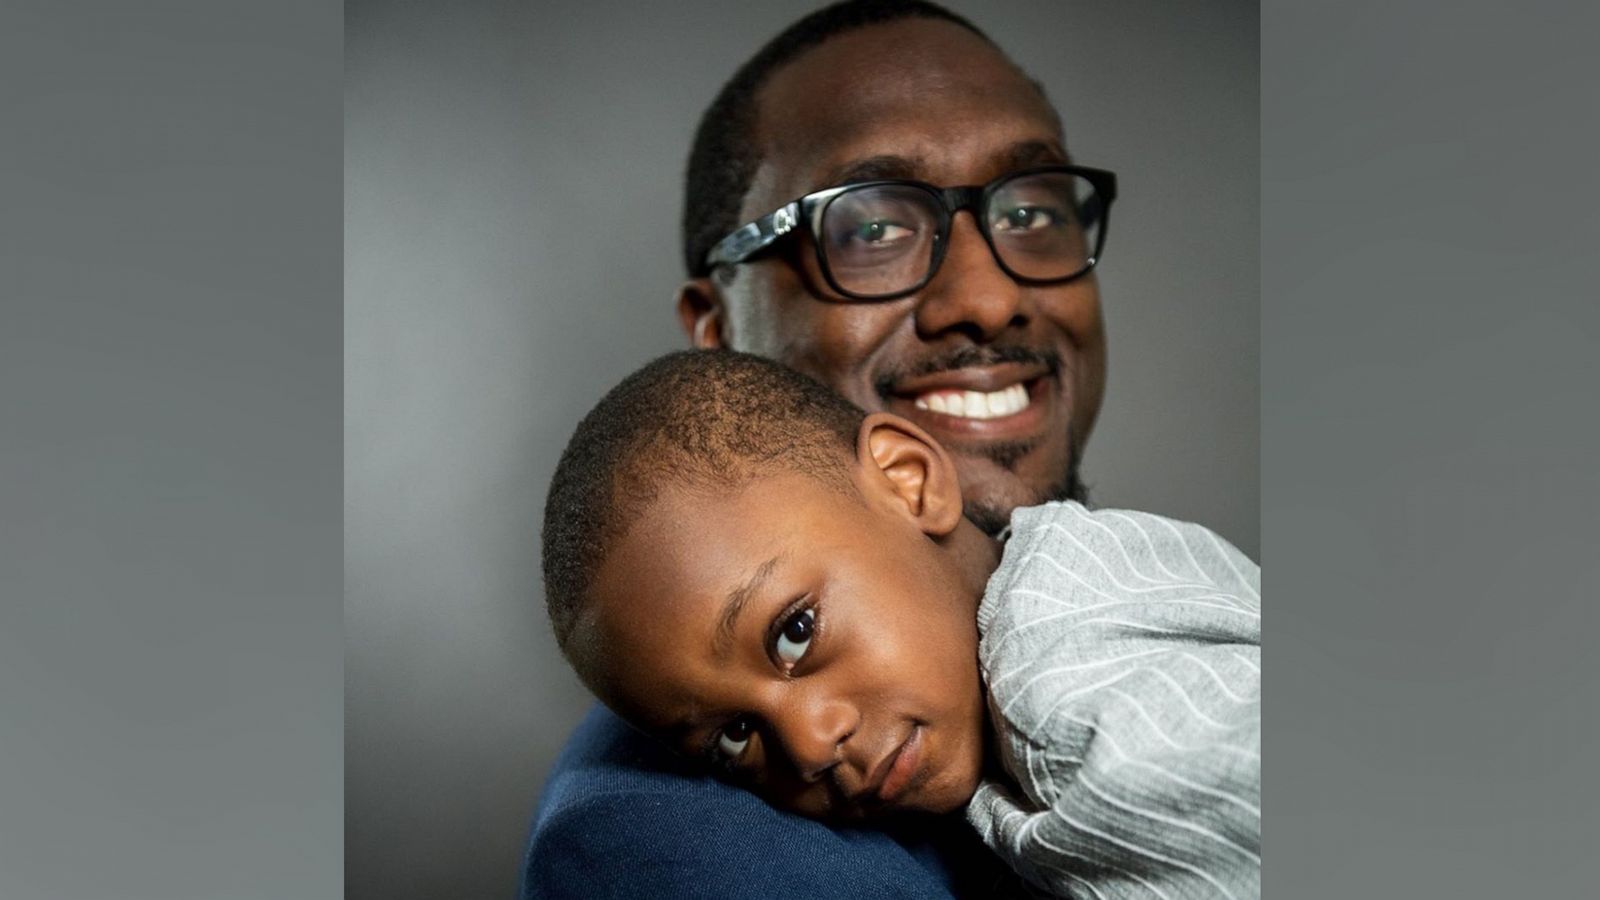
x,y
976,555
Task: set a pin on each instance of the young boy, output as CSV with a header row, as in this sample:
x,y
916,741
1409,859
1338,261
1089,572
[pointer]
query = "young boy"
x,y
743,563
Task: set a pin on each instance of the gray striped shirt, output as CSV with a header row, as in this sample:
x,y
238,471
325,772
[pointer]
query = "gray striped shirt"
x,y
1122,656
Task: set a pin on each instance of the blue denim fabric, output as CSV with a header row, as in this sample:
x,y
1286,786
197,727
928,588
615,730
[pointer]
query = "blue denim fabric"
x,y
623,817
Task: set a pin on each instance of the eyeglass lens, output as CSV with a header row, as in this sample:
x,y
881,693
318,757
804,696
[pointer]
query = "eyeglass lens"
x,y
880,239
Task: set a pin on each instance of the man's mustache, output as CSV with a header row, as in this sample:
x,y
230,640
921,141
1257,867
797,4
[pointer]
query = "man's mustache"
x,y
967,358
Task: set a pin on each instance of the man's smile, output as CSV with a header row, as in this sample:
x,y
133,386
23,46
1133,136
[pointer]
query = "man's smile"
x,y
974,404
984,396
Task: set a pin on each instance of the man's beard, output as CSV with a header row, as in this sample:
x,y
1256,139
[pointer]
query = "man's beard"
x,y
1005,454
991,520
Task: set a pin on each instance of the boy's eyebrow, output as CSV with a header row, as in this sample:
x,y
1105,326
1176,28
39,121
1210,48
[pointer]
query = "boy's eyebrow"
x,y
737,598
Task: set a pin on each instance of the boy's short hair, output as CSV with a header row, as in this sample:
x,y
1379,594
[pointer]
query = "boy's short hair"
x,y
695,418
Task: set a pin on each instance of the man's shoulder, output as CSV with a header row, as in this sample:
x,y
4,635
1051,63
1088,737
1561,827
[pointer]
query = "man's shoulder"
x,y
607,767
620,813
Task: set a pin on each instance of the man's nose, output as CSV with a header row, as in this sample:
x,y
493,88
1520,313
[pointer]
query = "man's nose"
x,y
813,731
970,293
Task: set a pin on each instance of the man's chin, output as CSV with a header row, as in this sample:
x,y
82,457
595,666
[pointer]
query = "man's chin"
x,y
991,510
989,519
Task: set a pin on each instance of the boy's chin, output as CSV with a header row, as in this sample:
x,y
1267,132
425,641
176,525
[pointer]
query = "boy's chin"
x,y
954,796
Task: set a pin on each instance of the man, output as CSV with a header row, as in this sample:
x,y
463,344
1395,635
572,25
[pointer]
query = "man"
x,y
974,313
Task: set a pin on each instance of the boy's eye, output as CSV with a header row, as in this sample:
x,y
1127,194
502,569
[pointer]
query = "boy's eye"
x,y
732,740
795,637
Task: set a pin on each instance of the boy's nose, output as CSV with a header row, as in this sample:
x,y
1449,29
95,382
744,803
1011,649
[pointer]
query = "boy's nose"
x,y
813,731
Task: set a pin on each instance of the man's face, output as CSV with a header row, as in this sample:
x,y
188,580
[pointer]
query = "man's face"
x,y
846,684
930,101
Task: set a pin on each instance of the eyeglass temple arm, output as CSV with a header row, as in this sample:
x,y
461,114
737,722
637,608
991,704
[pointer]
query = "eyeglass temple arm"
x,y
758,235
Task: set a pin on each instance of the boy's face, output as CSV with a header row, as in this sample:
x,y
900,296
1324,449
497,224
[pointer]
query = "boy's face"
x,y
819,644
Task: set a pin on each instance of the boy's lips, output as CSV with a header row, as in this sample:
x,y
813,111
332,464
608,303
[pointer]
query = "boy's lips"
x,y
895,772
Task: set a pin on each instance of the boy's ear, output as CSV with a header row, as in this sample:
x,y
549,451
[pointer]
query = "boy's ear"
x,y
916,471
701,313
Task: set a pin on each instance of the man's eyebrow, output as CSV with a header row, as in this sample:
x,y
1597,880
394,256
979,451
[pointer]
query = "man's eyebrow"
x,y
1022,155
872,168
1033,153
737,598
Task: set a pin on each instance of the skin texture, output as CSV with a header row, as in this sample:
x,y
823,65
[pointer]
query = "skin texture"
x,y
931,101
892,574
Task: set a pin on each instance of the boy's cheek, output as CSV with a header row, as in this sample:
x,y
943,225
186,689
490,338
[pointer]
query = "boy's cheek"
x,y
814,801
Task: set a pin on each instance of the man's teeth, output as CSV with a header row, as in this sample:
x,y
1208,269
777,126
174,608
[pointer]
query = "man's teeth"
x,y
976,404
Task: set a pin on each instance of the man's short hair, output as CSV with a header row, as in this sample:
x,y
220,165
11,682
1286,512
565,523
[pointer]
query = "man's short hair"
x,y
695,418
725,157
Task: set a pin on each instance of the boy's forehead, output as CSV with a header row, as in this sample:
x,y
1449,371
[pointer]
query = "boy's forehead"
x,y
678,562
658,606
690,537
685,542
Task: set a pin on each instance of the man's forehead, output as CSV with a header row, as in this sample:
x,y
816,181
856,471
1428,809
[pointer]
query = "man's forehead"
x,y
927,92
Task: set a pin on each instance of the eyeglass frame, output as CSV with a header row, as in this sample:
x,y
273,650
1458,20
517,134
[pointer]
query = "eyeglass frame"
x,y
743,243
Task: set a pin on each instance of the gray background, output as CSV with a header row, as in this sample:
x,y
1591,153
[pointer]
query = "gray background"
x,y
513,185
1431,359
169,633
170,559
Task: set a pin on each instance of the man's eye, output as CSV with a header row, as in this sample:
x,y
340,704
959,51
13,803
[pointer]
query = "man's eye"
x,y
1027,218
880,231
795,637
733,738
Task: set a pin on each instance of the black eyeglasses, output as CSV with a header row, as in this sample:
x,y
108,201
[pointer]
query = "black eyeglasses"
x,y
877,240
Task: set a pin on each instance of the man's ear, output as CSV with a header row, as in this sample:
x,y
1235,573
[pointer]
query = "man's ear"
x,y
917,473
701,313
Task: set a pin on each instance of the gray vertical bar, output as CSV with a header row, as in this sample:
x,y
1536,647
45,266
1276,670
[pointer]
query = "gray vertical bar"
x,y
1430,337
170,560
